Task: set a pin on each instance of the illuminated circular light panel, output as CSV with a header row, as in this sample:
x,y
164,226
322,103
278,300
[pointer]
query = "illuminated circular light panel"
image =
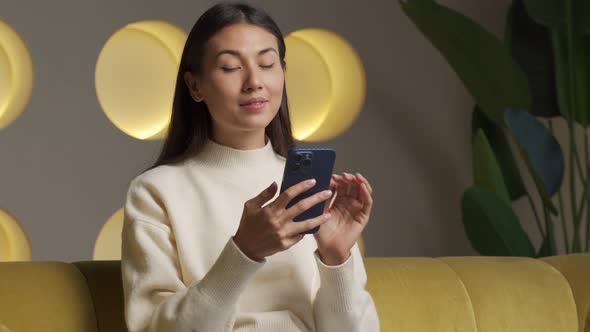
x,y
14,243
108,242
325,83
136,75
16,75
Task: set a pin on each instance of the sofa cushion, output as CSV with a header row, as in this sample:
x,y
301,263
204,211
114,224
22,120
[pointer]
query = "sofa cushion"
x,y
576,269
418,294
516,294
45,296
470,294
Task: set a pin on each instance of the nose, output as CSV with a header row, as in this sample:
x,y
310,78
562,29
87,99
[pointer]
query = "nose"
x,y
252,80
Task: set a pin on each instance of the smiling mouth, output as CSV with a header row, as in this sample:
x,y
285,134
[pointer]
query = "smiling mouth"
x,y
254,106
254,103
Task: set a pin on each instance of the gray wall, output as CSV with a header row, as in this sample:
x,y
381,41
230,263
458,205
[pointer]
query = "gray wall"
x,y
65,168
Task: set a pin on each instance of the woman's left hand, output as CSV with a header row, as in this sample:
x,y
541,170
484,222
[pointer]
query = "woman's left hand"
x,y
350,214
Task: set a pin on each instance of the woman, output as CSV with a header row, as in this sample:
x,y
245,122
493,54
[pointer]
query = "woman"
x,y
205,246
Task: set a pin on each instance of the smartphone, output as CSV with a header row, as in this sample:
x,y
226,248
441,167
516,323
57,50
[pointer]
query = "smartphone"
x,y
304,164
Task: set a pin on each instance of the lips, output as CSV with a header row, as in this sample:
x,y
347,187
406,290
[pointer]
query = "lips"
x,y
254,101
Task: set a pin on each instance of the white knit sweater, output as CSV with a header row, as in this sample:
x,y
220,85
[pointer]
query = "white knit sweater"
x,y
182,271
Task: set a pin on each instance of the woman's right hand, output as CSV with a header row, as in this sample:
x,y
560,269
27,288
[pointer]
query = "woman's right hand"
x,y
264,231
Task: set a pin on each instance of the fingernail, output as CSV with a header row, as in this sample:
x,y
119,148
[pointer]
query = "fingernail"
x,y
328,215
311,182
327,193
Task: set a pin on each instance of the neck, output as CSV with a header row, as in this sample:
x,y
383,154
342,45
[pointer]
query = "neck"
x,y
243,140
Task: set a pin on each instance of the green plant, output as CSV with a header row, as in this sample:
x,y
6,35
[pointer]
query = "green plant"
x,y
539,73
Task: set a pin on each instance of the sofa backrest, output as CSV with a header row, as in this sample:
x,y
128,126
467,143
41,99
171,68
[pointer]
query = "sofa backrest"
x,y
105,284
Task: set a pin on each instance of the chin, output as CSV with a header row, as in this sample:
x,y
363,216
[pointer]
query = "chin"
x,y
256,122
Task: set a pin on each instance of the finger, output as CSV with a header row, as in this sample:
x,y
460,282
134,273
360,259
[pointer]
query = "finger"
x,y
365,181
337,177
343,185
307,203
290,240
333,185
331,201
334,189
354,188
296,227
336,186
367,199
292,192
264,196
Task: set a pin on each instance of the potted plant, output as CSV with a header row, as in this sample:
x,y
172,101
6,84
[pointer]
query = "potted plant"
x,y
521,85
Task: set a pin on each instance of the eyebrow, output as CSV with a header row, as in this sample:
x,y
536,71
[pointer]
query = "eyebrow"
x,y
237,53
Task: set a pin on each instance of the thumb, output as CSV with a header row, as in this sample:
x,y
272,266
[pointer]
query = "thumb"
x,y
265,195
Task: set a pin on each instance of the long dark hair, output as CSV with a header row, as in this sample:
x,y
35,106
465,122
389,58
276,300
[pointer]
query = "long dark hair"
x,y
190,124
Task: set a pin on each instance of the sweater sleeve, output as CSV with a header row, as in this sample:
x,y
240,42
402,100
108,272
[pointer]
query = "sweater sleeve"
x,y
342,302
155,296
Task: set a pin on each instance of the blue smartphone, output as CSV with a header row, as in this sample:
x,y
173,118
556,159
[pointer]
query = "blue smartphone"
x,y
304,164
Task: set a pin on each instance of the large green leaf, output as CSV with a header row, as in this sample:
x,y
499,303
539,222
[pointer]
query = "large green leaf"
x,y
582,77
479,58
530,46
541,152
502,151
569,22
492,226
562,68
582,15
553,13
550,13
486,171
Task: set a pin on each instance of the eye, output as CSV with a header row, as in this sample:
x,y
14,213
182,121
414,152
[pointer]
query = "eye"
x,y
228,69
267,66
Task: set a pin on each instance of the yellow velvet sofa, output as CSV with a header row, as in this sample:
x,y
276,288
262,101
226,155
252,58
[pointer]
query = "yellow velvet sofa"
x,y
483,294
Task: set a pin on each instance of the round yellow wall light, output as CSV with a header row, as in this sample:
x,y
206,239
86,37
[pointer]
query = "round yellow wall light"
x,y
16,75
325,83
108,242
136,75
14,243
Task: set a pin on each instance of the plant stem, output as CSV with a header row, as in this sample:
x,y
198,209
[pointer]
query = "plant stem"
x,y
537,219
550,235
576,247
587,200
561,209
563,222
586,191
582,174
585,197
572,187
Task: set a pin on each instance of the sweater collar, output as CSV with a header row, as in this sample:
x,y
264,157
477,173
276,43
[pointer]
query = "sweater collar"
x,y
218,155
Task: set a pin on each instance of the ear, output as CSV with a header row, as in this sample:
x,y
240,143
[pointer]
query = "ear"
x,y
191,83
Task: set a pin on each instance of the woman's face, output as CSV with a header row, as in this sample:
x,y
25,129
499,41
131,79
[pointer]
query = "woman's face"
x,y
241,80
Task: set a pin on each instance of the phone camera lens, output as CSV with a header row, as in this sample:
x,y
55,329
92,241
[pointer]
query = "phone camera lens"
x,y
297,157
306,163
